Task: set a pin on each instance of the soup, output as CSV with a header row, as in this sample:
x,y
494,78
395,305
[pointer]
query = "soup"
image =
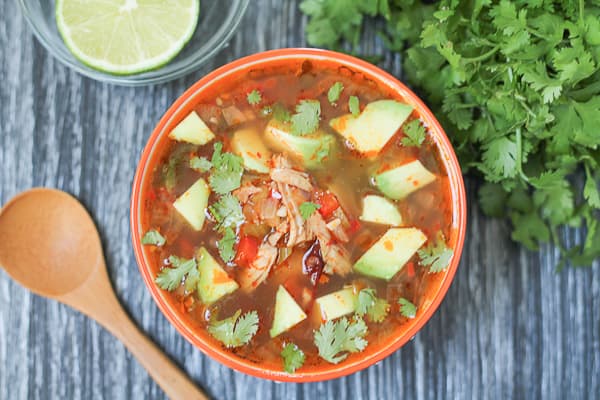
x,y
298,215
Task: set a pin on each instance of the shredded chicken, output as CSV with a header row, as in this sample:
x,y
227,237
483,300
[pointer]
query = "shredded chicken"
x,y
280,209
244,193
336,258
259,269
335,226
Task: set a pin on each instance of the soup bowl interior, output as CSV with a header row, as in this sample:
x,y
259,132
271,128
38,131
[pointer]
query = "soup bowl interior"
x,y
295,60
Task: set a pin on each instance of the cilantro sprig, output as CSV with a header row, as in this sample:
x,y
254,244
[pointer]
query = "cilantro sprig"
x,y
307,209
374,307
334,92
181,270
154,238
415,134
306,119
293,358
226,174
235,331
517,85
436,255
226,245
254,97
407,309
336,339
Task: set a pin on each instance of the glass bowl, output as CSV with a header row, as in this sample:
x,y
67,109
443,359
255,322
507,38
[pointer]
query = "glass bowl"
x,y
218,21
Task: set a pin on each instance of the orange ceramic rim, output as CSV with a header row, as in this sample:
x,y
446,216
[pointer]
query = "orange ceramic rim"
x,y
184,104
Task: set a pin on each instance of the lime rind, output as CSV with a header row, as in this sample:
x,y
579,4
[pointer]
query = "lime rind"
x,y
88,35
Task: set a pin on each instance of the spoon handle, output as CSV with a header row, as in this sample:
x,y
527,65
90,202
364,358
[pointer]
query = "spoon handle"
x,y
165,373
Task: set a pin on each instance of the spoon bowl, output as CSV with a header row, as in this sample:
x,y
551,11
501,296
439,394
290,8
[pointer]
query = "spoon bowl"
x,y
62,231
50,245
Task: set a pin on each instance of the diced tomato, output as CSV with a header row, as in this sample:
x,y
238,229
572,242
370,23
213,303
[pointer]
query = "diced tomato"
x,y
329,203
246,251
410,269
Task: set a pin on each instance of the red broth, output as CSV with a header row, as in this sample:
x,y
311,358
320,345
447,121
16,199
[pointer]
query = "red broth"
x,y
345,173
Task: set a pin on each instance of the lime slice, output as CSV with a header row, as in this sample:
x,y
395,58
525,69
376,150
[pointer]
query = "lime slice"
x,y
126,36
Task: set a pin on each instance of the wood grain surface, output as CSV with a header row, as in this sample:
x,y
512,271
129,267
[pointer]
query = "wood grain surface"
x,y
510,326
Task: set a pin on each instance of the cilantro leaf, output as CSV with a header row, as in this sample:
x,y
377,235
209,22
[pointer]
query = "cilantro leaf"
x,y
227,212
306,119
226,244
436,255
333,95
307,209
235,331
492,199
354,106
374,307
335,339
293,358
153,237
415,134
407,309
170,278
200,164
254,97
227,171
590,190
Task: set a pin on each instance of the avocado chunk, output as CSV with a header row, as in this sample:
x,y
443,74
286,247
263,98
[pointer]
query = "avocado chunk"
x,y
374,127
399,182
192,130
380,210
287,312
389,254
311,150
192,204
247,144
336,304
214,282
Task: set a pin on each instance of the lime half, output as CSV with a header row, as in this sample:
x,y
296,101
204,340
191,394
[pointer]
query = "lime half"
x,y
126,36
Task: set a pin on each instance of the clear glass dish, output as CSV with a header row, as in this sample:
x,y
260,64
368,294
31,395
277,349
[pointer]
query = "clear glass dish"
x,y
218,21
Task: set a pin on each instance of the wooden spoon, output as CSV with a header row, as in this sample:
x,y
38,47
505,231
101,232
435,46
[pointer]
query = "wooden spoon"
x,y
50,245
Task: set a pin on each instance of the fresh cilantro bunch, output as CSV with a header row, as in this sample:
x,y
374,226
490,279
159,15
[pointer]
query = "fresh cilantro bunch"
x,y
516,85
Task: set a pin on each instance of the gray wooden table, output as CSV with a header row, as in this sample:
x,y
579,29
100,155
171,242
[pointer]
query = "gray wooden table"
x,y
510,327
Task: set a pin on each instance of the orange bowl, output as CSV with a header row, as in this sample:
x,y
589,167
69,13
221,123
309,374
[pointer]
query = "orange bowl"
x,y
208,86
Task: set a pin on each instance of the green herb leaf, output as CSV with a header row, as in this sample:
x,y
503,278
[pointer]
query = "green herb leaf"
x,y
227,212
235,331
354,106
415,134
335,339
153,237
306,119
226,245
227,171
307,209
293,358
169,278
254,97
333,95
407,309
374,307
200,164
436,255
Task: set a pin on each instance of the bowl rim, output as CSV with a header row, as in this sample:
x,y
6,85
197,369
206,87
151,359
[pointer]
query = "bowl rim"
x,y
456,186
150,77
